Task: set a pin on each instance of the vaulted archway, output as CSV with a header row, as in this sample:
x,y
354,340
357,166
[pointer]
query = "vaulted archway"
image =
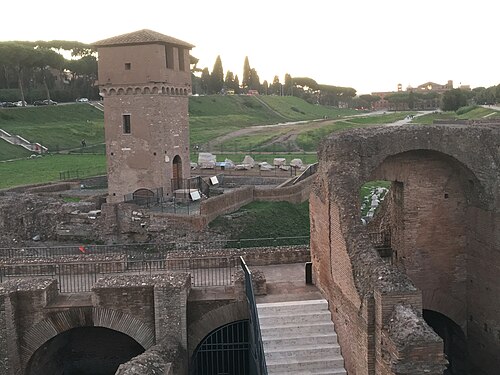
x,y
443,218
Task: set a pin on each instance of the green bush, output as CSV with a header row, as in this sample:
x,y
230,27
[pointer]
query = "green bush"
x,y
10,95
466,109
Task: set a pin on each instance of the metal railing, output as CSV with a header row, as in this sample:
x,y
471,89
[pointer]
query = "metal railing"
x,y
148,251
81,173
380,238
81,276
255,337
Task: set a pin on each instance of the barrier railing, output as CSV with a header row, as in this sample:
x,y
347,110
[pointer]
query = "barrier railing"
x,y
255,338
141,251
81,276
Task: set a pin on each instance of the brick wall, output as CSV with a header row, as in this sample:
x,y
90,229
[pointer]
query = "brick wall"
x,y
444,217
227,202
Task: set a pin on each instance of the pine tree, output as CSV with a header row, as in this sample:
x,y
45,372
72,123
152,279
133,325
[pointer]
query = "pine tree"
x,y
275,87
205,80
217,77
229,81
245,82
288,90
254,83
237,89
265,87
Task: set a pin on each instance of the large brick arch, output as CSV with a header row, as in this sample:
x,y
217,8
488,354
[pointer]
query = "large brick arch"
x,y
359,286
63,321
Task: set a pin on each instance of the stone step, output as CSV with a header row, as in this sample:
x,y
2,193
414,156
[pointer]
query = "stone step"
x,y
284,330
301,353
294,306
298,317
288,365
299,340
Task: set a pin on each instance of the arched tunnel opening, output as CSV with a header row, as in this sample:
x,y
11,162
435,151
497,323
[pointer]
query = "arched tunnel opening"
x,y
455,342
84,351
225,350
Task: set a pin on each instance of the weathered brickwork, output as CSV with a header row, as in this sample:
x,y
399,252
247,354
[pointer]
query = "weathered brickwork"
x,y
149,309
145,80
443,212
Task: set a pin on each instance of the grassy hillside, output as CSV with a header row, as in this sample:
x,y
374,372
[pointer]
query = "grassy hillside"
x,y
8,151
56,127
464,113
213,116
297,109
47,168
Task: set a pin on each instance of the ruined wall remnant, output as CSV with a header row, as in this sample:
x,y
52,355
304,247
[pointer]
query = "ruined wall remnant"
x,y
150,309
444,215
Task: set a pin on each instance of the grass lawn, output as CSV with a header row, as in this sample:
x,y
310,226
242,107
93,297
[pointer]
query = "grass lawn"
x,y
297,109
56,127
465,113
264,220
386,118
47,168
8,151
478,113
214,115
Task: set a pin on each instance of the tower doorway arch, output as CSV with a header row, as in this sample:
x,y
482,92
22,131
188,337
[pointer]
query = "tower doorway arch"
x,y
177,173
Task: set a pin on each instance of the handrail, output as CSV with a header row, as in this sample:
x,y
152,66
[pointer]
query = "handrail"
x,y
138,249
256,346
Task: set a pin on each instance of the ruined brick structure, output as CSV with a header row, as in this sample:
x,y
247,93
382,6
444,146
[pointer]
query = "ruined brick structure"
x,y
151,310
145,80
443,213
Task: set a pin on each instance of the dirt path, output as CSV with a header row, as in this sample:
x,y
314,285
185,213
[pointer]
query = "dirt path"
x,y
260,128
293,129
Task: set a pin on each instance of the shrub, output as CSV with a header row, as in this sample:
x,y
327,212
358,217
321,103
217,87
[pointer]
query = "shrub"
x,y
465,109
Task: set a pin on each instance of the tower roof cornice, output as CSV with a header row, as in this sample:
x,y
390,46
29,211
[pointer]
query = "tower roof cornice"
x,y
143,36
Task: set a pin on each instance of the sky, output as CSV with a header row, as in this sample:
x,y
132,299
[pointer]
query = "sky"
x,y
365,44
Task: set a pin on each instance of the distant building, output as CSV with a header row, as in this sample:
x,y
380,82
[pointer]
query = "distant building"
x,y
429,102
432,87
145,80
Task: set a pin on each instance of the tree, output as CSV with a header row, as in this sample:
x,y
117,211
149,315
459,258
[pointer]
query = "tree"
x,y
229,81
254,83
275,88
265,87
83,76
245,82
453,100
217,77
288,88
205,80
20,57
45,59
237,89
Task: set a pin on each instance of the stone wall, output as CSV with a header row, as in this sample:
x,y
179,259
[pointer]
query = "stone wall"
x,y
254,256
149,309
297,193
227,202
444,217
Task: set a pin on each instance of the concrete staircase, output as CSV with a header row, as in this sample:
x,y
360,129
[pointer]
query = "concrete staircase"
x,y
299,338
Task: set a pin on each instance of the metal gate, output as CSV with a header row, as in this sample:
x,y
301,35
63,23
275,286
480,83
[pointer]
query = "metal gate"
x,y
225,351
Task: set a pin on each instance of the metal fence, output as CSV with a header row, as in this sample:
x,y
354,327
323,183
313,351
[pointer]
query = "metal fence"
x,y
257,357
149,251
81,173
223,351
81,276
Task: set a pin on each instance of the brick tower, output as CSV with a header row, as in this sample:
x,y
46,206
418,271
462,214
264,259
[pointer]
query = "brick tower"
x,y
145,80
